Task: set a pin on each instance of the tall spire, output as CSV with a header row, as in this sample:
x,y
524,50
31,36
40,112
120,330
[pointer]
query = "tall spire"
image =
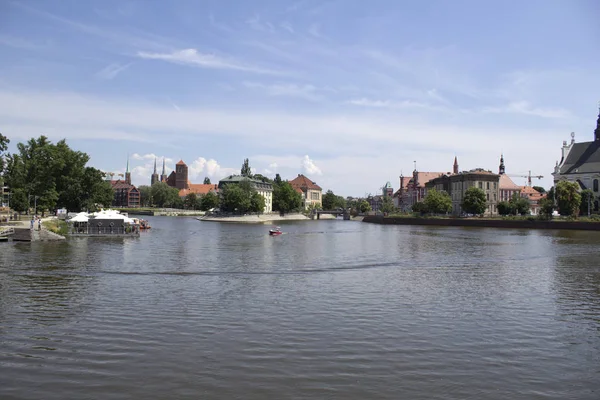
x,y
597,131
501,169
155,165
455,169
164,170
127,169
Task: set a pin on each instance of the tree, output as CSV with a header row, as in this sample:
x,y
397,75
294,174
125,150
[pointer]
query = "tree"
x,y
18,200
146,195
329,200
257,203
246,170
164,195
387,205
286,198
209,201
191,201
519,205
587,202
504,208
340,202
206,180
364,206
262,178
419,207
3,147
277,180
568,198
474,201
437,202
234,199
540,189
546,207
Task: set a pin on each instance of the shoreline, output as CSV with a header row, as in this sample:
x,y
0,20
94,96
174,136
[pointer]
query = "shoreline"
x,y
485,223
263,218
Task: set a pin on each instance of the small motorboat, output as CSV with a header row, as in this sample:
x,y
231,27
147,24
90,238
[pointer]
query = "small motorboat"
x,y
144,224
275,232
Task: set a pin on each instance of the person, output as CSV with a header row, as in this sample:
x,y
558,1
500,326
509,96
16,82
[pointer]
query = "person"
x,y
39,224
32,222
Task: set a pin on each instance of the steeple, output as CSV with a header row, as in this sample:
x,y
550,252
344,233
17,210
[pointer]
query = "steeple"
x,y
597,131
154,165
154,177
455,169
127,173
164,171
501,170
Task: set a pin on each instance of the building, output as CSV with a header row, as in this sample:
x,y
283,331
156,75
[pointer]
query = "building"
x,y
387,190
312,194
199,189
580,162
534,197
507,187
163,176
179,179
457,184
265,189
126,194
154,178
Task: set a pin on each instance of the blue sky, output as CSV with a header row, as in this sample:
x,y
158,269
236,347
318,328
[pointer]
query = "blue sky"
x,y
348,92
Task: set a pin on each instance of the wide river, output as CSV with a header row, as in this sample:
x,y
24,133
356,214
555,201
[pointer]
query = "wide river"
x,y
329,310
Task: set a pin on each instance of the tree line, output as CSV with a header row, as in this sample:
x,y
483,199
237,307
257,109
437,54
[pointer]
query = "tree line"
x,y
50,175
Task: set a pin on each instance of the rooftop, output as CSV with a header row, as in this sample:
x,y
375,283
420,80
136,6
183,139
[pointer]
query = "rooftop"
x,y
302,182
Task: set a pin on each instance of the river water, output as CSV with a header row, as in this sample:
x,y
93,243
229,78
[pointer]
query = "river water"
x,y
329,310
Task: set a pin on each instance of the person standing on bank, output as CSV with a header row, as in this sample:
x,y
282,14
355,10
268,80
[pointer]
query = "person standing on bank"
x,y
32,222
39,224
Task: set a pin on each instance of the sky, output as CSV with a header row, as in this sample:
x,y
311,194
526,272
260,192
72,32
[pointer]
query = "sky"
x,y
350,93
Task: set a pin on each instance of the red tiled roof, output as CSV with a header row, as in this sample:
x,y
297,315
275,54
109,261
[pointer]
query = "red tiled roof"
x,y
531,193
422,177
119,184
302,182
199,189
180,163
507,184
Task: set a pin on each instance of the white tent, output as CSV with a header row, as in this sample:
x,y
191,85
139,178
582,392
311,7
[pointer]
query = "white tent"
x,y
81,217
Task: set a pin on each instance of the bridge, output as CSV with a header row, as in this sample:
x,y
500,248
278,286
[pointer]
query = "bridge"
x,y
345,213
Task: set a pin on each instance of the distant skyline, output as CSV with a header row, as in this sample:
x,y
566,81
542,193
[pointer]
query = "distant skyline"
x,y
350,93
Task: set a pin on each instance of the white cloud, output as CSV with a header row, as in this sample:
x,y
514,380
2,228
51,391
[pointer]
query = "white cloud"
x,y
309,167
271,169
201,167
524,107
112,70
203,60
307,92
287,26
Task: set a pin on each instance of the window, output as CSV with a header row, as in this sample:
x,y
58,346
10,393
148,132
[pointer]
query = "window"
x,y
595,185
480,185
495,185
596,205
488,196
495,197
487,185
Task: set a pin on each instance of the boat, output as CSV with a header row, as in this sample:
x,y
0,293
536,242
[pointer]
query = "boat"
x,y
275,232
144,224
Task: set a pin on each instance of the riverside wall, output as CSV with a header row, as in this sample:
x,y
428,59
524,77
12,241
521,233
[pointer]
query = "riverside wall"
x,y
484,223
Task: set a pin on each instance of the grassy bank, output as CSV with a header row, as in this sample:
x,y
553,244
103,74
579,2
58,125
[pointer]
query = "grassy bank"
x,y
56,226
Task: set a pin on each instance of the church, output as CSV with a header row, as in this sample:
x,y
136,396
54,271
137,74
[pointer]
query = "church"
x,y
179,179
580,162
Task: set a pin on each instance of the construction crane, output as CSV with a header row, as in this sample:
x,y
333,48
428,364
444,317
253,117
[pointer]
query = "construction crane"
x,y
529,176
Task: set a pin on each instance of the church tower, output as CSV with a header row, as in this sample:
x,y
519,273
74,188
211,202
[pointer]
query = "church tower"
x,y
181,175
501,169
154,177
597,131
127,173
455,168
163,177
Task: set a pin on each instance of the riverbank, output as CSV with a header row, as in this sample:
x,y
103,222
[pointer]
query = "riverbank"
x,y
485,223
257,219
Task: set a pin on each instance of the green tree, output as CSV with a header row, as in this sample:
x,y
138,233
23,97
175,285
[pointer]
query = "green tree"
x,y
519,205
587,202
504,208
568,198
387,205
209,201
96,191
246,170
160,194
340,202
474,201
257,203
146,195
277,180
329,200
437,202
3,147
419,207
546,208
18,200
262,178
364,206
235,199
540,189
191,201
285,198
206,180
